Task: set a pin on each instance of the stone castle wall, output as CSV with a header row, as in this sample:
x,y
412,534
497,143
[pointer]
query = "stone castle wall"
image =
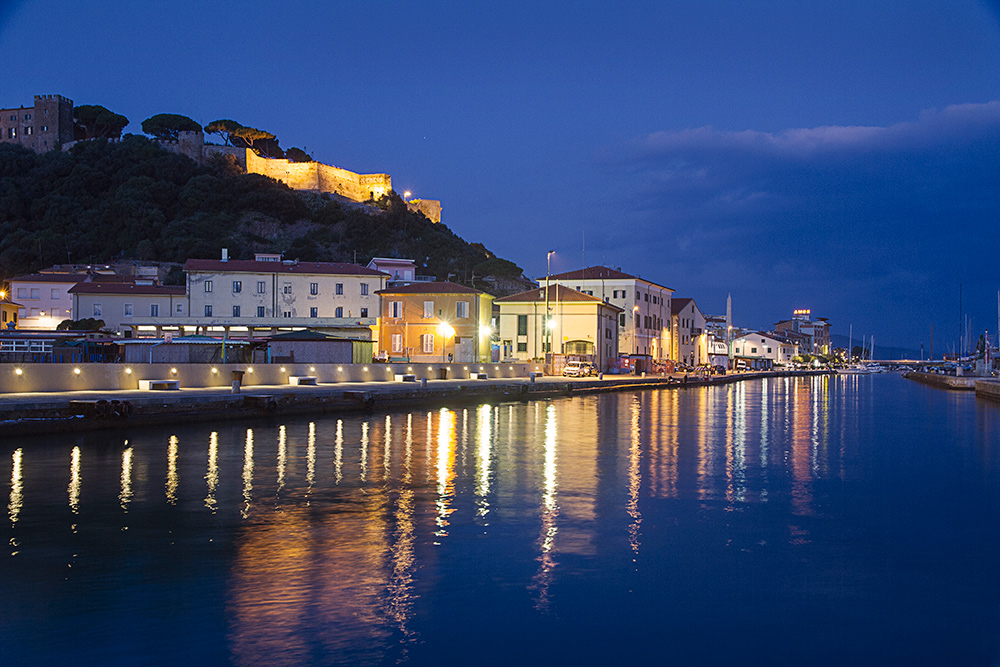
x,y
314,176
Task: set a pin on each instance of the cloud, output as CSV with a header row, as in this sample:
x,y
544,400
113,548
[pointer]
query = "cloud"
x,y
808,210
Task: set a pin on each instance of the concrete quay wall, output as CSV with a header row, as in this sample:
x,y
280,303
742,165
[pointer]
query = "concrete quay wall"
x,y
30,378
988,389
946,381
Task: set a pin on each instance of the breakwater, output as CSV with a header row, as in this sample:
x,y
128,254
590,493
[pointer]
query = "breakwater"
x,y
32,413
945,381
988,389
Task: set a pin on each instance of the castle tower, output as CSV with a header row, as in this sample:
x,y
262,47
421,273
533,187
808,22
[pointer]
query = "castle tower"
x,y
41,127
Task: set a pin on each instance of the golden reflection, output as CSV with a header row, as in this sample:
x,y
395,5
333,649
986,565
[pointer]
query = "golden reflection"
x,y
247,474
16,487
387,450
737,459
400,600
483,459
445,469
364,451
550,512
212,475
171,485
802,416
282,458
430,446
74,481
311,457
664,449
338,452
634,480
465,439
125,496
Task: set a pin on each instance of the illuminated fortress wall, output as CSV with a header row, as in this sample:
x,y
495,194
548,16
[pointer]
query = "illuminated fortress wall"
x,y
314,176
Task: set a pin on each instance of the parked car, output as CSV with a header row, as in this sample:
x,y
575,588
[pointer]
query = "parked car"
x,y
579,369
718,370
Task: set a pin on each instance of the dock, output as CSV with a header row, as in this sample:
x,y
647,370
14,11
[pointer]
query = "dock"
x,y
71,411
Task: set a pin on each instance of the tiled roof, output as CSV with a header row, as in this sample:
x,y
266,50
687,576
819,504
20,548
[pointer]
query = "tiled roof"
x,y
127,288
253,266
599,272
677,305
71,278
557,293
438,287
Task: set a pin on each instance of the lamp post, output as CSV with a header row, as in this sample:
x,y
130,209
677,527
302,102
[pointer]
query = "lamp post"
x,y
446,331
547,336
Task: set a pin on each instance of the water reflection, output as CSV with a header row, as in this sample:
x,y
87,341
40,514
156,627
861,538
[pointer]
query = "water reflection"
x,y
74,481
346,561
172,480
212,475
550,512
126,493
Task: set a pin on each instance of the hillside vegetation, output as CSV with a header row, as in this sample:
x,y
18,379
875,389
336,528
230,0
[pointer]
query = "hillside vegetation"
x,y
106,201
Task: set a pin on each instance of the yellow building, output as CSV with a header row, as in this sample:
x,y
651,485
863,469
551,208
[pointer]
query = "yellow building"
x,y
8,311
579,325
435,321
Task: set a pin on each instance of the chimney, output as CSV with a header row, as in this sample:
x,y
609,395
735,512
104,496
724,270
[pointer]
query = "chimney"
x,y
225,254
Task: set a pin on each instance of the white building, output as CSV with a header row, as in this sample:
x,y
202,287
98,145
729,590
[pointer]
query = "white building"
x,y
44,299
267,287
761,346
644,308
581,325
117,303
690,342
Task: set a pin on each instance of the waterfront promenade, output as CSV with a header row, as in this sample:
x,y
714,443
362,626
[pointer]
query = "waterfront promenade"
x,y
59,411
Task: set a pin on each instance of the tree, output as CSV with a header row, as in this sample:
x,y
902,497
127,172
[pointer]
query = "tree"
x,y
297,155
92,121
223,128
168,126
86,324
246,136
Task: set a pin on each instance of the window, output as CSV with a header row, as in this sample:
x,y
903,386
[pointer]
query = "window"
x,y
236,311
287,288
208,285
97,310
45,128
180,308
314,288
647,297
428,309
522,347
364,312
621,320
427,340
261,312
314,312
339,312
287,313
11,132
769,350
237,286
27,130
339,289
208,311
462,310
395,309
54,294
154,310
261,287
22,292
637,295
36,293
127,310
397,342
753,350
607,333
364,289
27,116
522,327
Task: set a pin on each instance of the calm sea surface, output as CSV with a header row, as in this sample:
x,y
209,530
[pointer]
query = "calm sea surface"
x,y
807,521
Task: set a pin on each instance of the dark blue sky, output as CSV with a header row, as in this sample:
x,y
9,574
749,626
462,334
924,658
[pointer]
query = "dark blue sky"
x,y
835,156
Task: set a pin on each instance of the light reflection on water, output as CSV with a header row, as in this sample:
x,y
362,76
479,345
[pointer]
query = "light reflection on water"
x,y
643,513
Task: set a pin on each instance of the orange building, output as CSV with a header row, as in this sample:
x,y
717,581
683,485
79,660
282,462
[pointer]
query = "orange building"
x,y
435,321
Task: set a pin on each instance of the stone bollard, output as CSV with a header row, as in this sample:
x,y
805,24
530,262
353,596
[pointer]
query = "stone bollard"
x,y
423,382
236,386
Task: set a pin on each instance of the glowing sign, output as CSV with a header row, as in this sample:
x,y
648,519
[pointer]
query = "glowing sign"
x,y
802,312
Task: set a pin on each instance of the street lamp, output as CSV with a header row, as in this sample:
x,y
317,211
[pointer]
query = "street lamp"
x,y
547,335
446,331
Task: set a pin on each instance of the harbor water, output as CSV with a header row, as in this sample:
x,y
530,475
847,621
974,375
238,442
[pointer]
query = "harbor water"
x,y
823,520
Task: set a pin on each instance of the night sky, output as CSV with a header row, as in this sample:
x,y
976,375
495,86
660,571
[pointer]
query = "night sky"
x,y
839,156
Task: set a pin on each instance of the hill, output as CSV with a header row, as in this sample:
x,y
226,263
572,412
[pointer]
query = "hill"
x,y
105,201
